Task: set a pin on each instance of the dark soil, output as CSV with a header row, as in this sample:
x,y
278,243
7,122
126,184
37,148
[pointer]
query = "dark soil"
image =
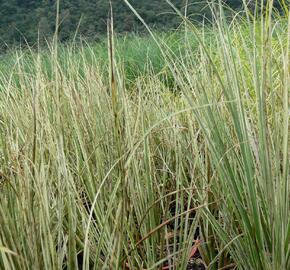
x,y
195,264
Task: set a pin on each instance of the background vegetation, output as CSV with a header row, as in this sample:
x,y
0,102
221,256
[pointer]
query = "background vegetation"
x,y
33,20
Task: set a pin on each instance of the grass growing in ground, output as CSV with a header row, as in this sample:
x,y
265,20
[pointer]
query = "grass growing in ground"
x,y
95,181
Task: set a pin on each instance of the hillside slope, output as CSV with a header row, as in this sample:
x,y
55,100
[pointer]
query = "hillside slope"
x,y
28,20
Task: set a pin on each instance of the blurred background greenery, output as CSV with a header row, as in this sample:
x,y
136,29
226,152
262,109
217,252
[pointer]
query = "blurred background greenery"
x,y
33,21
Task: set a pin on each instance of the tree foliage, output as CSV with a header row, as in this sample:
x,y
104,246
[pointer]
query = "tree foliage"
x,y
34,20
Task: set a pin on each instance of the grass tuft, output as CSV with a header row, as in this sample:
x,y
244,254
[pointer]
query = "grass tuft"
x,y
137,161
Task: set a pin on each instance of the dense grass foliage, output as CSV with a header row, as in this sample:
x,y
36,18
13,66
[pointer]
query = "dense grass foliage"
x,y
134,54
130,164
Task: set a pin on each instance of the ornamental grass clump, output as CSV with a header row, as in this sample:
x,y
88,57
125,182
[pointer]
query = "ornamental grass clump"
x,y
188,163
